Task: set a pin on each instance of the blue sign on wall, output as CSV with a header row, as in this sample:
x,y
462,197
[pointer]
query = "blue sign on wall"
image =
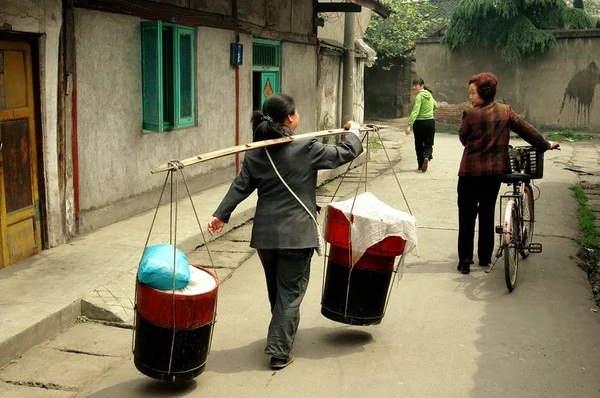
x,y
236,53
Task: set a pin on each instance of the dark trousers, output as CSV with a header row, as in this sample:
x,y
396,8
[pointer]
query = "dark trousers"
x,y
287,272
424,131
476,196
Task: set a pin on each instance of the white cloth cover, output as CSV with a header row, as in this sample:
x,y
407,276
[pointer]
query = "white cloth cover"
x,y
200,282
374,221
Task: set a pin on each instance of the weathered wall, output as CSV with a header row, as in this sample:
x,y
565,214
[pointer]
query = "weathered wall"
x,y
44,18
555,90
358,108
299,79
115,156
329,90
388,92
334,24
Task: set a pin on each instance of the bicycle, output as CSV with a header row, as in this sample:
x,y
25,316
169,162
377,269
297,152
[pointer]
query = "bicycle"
x,y
516,231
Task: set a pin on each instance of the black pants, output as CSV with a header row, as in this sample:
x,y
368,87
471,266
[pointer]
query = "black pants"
x,y
476,196
424,131
287,272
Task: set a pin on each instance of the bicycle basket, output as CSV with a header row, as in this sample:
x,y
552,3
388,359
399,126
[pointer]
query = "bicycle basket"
x,y
534,163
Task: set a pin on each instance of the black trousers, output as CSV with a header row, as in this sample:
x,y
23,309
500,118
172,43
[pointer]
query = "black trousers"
x,y
287,272
424,131
476,196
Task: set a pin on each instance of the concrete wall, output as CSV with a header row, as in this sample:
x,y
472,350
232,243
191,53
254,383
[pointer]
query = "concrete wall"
x,y
358,108
115,155
330,90
388,92
334,24
43,18
299,79
329,86
555,90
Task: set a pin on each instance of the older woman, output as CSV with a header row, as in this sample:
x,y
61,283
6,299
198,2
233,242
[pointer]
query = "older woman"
x,y
485,132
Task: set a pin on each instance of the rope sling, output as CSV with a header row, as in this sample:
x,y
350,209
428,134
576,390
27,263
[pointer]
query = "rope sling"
x,y
174,169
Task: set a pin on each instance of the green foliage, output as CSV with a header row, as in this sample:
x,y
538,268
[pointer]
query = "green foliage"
x,y
515,27
598,24
375,143
82,319
395,36
589,239
578,4
568,135
576,18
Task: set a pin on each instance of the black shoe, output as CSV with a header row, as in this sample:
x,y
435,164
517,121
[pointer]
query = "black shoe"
x,y
278,363
484,264
464,267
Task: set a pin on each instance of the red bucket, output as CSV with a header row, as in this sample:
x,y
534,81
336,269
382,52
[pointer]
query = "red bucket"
x,y
337,231
156,353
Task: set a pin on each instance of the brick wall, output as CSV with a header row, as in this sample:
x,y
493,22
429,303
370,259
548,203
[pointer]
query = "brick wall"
x,y
449,115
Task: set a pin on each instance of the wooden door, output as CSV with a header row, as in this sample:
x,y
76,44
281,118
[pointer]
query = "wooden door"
x,y
20,235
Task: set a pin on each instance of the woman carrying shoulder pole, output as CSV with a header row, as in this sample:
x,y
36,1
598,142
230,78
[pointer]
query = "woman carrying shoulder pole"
x,y
284,233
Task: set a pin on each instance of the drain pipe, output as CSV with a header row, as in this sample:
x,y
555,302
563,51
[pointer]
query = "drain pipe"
x,y
237,87
348,78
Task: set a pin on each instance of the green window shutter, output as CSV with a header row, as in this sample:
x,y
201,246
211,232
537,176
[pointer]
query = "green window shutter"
x,y
169,44
185,67
152,84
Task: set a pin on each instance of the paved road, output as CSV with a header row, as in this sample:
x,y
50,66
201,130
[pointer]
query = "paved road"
x,y
444,334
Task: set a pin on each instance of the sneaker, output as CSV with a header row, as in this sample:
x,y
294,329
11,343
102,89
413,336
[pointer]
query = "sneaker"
x,y
278,363
425,164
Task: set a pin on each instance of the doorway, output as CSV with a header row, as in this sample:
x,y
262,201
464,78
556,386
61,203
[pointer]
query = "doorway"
x,y
265,70
20,230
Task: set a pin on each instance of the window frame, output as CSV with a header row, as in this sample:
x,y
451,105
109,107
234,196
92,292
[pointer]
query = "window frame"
x,y
155,67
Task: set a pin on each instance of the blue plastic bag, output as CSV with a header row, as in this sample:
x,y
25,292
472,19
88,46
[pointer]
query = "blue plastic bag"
x,y
156,267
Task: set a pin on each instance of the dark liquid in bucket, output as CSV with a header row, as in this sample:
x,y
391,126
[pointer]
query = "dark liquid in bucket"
x,y
153,350
366,297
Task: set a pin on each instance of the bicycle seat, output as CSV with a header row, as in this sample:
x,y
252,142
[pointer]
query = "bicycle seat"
x,y
516,177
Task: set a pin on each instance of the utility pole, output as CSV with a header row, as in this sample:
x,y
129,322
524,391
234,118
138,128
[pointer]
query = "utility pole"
x,y
348,73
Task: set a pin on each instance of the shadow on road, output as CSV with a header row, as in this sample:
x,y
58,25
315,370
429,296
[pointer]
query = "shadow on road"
x,y
145,387
311,343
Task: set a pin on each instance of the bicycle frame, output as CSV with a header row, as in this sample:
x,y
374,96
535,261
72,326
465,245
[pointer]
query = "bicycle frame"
x,y
514,203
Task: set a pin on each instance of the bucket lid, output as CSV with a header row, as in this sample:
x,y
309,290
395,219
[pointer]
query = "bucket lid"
x,y
200,282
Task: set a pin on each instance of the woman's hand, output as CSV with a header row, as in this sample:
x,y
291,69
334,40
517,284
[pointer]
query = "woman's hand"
x,y
554,145
351,125
407,131
215,225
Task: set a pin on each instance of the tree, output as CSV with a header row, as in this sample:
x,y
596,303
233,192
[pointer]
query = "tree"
x,y
515,27
395,36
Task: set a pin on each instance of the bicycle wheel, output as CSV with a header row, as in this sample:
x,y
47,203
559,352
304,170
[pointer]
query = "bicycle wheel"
x,y
528,220
511,250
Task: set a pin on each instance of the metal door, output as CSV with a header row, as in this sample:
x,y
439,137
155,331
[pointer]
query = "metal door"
x,y
269,85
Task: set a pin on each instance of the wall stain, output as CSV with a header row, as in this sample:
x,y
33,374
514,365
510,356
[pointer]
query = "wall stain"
x,y
581,90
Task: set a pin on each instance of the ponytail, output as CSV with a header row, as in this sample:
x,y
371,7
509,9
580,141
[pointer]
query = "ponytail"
x,y
269,123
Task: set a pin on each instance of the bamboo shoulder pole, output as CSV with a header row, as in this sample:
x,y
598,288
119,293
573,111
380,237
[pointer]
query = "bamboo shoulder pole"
x,y
255,145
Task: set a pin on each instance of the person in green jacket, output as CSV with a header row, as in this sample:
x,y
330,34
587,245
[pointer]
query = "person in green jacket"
x,y
422,121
